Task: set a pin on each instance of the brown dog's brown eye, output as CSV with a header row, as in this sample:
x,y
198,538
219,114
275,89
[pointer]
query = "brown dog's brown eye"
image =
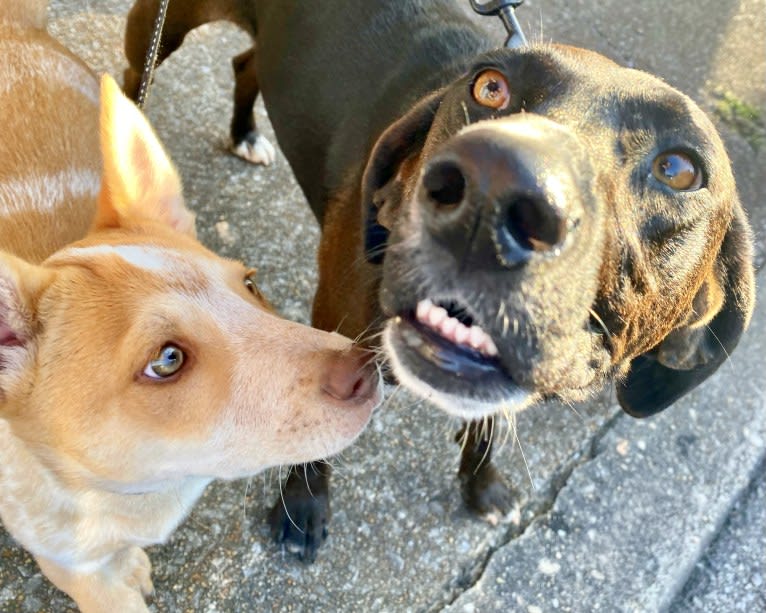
x,y
677,171
491,89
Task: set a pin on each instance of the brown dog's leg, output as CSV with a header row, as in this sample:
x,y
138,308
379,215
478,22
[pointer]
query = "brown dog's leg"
x,y
246,142
180,20
345,302
299,518
484,491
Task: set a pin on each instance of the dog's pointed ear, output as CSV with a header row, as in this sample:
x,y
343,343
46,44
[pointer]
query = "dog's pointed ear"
x,y
383,180
694,351
21,285
140,182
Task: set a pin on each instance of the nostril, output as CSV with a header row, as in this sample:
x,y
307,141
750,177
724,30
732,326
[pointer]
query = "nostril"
x,y
534,224
444,183
350,377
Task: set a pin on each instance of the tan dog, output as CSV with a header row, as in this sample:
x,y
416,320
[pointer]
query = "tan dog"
x,y
135,365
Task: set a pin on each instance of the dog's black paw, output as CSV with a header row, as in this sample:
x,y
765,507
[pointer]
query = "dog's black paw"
x,y
487,494
299,518
300,525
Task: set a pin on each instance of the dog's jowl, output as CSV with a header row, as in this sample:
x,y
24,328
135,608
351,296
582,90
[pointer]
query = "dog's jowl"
x,y
520,224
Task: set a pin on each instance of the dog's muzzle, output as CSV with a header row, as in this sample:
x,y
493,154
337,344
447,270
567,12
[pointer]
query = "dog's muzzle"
x,y
509,245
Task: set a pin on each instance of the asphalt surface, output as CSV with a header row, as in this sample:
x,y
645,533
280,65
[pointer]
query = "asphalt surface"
x,y
614,514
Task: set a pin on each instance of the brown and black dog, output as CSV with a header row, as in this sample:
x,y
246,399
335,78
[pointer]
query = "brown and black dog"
x,y
520,224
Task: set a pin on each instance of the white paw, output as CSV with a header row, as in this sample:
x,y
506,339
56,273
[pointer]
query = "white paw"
x,y
259,152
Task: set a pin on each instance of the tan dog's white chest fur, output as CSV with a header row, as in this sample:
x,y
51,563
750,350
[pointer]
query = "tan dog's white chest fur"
x,y
135,365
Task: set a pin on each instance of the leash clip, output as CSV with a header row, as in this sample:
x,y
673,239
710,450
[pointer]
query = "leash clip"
x,y
505,10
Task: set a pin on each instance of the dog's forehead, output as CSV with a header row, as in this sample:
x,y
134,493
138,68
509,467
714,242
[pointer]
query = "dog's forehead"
x,y
150,288
156,264
584,90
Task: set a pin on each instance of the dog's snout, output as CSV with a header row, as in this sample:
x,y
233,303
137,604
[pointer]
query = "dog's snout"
x,y
351,375
503,193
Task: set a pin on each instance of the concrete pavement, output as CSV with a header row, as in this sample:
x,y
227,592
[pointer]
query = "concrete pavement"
x,y
614,514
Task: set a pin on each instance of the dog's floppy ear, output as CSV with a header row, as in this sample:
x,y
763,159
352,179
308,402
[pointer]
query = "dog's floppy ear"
x,y
383,183
140,182
693,352
21,285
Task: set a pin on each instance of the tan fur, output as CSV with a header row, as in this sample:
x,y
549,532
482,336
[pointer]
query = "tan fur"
x,y
97,459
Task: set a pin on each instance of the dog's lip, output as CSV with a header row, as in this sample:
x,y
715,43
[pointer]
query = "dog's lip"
x,y
465,351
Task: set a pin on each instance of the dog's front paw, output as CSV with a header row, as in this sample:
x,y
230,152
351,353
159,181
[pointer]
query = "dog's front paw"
x,y
487,494
256,149
299,517
299,523
121,583
134,569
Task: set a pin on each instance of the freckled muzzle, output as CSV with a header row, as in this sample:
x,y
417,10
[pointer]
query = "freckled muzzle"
x,y
510,246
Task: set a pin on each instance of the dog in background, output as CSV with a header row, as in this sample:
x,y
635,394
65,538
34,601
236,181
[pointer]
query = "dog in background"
x,y
135,365
520,223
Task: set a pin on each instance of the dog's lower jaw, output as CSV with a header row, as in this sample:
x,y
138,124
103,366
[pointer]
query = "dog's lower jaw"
x,y
458,406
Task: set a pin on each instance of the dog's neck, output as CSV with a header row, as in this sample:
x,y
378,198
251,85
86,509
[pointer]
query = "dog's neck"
x,y
101,517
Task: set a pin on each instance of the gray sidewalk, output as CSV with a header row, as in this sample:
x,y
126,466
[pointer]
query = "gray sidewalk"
x,y
614,514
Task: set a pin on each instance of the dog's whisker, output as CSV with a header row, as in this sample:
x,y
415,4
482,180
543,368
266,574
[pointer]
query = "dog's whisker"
x,y
244,502
489,438
601,323
463,433
523,456
571,407
508,415
340,324
723,348
391,397
282,498
465,113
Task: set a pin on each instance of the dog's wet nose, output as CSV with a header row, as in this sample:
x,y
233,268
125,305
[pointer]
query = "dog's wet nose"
x,y
527,222
444,183
502,193
351,375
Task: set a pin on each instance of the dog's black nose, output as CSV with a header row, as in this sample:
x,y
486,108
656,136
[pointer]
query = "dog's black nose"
x,y
501,195
444,183
528,222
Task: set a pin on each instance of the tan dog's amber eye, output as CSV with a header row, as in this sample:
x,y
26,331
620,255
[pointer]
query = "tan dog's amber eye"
x,y
491,89
677,170
168,362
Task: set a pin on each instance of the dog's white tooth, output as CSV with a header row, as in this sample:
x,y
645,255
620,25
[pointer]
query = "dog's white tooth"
x,y
489,347
462,333
448,326
436,316
424,306
477,337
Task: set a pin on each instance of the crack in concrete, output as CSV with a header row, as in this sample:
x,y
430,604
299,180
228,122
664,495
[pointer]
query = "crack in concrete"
x,y
687,584
537,507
